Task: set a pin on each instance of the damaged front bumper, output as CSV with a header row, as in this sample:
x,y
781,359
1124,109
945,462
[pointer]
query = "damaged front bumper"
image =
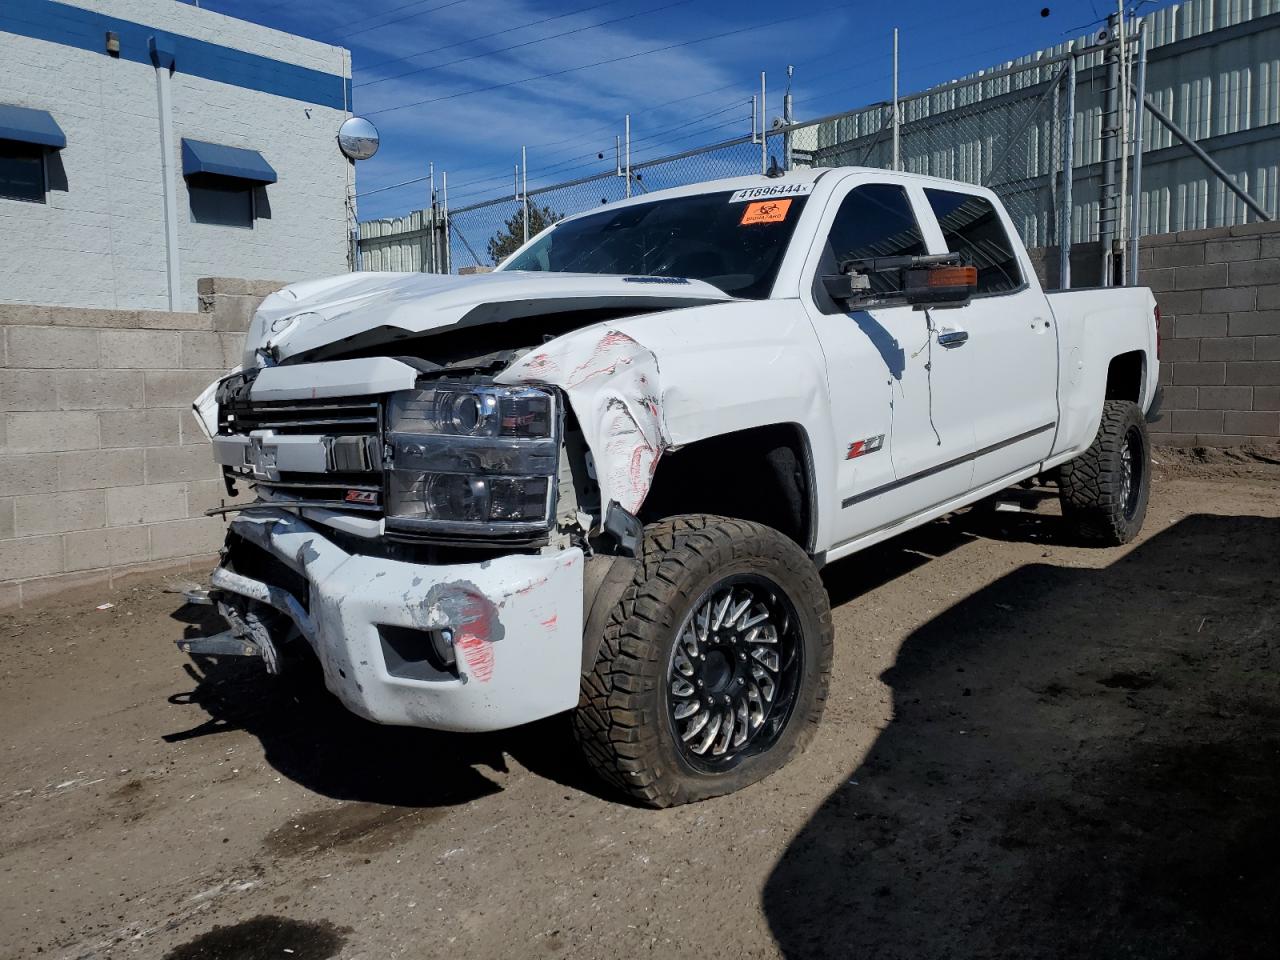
x,y
510,628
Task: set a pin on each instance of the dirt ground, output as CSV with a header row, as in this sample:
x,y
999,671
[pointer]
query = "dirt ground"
x,y
1031,749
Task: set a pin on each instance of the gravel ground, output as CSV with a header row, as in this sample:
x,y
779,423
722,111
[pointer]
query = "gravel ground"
x,y
1031,749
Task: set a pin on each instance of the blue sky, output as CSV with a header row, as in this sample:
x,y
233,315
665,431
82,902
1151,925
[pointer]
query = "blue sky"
x,y
419,68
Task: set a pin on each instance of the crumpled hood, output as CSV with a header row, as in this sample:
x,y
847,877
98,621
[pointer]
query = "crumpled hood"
x,y
304,316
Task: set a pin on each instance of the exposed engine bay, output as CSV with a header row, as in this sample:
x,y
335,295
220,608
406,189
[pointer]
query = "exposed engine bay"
x,y
463,438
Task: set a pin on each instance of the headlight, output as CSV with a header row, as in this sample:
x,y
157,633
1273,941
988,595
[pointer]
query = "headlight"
x,y
481,411
468,459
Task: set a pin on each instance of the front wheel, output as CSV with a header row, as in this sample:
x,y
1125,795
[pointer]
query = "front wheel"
x,y
714,667
1104,491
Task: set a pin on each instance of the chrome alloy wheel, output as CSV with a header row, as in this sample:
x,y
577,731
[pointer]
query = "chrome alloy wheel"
x,y
734,671
1131,465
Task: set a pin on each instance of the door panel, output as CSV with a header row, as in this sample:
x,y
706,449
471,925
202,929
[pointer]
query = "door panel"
x,y
1011,356
903,442
1005,336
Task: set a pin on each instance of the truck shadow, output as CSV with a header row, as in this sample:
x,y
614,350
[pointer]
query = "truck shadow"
x,y
1080,763
309,737
873,567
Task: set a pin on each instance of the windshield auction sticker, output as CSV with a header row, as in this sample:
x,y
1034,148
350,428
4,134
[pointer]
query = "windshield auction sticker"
x,y
765,211
773,191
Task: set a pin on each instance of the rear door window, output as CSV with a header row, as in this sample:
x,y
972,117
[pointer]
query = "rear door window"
x,y
972,228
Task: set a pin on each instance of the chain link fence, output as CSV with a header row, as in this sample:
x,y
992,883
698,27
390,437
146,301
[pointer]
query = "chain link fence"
x,y
1002,129
474,227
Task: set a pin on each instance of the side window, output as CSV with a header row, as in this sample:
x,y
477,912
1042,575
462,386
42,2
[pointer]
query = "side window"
x,y
222,201
875,220
972,228
22,171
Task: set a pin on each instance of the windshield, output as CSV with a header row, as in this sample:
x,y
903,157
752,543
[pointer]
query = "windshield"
x,y
731,243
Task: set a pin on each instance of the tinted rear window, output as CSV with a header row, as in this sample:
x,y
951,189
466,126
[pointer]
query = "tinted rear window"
x,y
971,227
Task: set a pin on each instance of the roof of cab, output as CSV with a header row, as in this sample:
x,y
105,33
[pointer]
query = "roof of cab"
x,y
809,175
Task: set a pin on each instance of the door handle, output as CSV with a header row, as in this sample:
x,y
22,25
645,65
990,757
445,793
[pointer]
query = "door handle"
x,y
953,338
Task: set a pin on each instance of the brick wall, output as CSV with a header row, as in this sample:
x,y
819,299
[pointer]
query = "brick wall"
x,y
1219,296
103,468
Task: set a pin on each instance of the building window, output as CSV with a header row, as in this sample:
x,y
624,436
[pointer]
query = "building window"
x,y
26,137
972,228
223,183
221,201
22,174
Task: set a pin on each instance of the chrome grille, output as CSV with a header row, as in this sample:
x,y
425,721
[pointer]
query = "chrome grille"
x,y
349,431
348,418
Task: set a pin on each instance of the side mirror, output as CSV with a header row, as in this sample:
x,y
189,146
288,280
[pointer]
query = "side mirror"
x,y
937,279
845,287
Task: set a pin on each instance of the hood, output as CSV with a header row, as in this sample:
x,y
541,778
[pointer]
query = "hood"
x,y
359,306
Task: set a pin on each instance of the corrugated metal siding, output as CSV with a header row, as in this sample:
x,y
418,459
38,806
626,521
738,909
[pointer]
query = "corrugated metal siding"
x,y
1211,90
385,246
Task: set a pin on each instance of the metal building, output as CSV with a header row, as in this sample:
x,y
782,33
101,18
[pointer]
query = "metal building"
x,y
1213,66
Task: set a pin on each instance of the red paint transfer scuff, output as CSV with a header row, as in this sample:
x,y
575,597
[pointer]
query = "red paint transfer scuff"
x,y
472,617
474,634
612,384
604,359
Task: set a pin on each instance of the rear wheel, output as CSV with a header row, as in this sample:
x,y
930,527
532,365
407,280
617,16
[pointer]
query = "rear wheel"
x,y
714,666
1105,490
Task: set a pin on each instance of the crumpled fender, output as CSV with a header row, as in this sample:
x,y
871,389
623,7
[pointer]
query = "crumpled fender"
x,y
613,384
646,385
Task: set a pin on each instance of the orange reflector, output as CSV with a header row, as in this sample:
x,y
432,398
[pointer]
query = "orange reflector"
x,y
952,276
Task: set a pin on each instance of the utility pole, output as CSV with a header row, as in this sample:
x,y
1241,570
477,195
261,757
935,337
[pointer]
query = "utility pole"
x,y
431,258
788,118
764,132
1122,206
627,131
897,160
447,260
1108,203
518,197
1068,174
1139,98
524,190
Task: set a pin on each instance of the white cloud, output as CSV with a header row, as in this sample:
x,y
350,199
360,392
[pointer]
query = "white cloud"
x,y
476,136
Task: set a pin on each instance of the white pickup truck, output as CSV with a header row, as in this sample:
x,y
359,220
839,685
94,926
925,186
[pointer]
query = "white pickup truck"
x,y
603,478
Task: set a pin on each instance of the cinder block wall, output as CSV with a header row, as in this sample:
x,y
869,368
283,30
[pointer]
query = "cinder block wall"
x,y
104,471
1219,296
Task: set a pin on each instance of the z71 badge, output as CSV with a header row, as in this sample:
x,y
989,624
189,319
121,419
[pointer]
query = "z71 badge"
x,y
862,447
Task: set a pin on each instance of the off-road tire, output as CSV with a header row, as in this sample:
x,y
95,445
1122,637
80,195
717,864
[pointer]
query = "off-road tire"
x,y
1091,486
622,724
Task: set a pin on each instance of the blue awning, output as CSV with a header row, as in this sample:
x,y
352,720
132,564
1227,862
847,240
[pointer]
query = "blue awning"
x,y
30,126
222,161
